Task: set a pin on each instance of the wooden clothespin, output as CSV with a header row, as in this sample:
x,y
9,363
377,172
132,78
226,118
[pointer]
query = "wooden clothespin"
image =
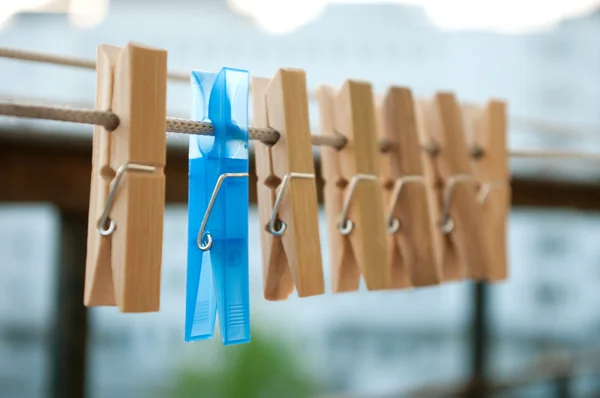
x,y
127,197
465,248
412,252
486,130
452,266
353,197
287,193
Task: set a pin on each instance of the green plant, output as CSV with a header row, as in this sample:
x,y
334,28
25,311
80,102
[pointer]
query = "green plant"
x,y
263,368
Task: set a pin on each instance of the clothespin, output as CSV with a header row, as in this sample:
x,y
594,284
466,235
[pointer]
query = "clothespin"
x,y
465,251
353,197
486,128
217,273
413,254
287,193
453,267
127,195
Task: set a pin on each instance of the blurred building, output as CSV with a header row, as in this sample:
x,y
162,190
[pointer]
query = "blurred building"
x,y
362,342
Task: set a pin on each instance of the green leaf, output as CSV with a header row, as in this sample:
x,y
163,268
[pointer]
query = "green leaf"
x,y
263,368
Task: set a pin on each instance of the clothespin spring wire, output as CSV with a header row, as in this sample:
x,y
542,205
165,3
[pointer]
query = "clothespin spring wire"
x,y
446,222
205,239
102,226
274,219
345,226
488,187
394,223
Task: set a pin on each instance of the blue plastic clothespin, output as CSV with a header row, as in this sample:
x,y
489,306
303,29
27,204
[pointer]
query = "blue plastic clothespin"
x,y
217,268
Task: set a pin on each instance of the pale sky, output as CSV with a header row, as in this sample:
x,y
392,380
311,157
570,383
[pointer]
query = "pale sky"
x,y
284,16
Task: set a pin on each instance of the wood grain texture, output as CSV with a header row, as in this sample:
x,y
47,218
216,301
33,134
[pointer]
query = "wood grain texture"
x,y
99,290
486,129
398,263
278,283
415,239
287,109
345,275
469,234
354,117
496,207
139,99
448,259
138,94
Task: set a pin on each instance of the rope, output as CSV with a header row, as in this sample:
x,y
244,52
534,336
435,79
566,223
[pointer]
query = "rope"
x,y
69,61
553,127
267,135
110,121
517,122
555,155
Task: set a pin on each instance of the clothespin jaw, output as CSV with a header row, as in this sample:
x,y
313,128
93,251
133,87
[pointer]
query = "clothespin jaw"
x,y
99,289
217,274
487,127
345,275
361,220
452,266
278,282
461,215
132,215
413,253
288,213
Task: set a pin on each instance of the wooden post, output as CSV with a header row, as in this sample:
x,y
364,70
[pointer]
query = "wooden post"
x,y
69,336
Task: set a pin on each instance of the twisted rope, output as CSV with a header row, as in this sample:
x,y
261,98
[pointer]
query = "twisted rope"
x,y
110,121
267,135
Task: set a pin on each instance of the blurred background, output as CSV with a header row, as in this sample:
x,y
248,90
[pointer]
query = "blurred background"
x,y
535,335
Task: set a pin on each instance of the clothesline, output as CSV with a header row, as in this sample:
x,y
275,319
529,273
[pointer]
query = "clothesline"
x,y
183,126
69,61
110,121
516,122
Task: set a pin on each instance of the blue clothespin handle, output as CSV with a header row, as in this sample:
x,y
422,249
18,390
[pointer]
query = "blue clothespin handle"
x,y
217,275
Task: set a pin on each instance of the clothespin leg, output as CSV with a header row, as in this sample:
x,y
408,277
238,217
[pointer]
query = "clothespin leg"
x,y
278,283
99,289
